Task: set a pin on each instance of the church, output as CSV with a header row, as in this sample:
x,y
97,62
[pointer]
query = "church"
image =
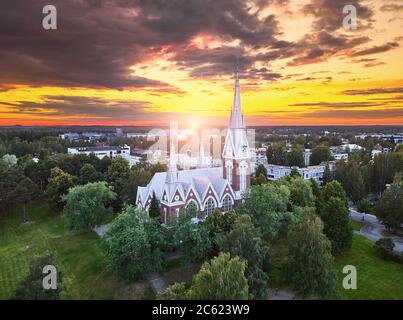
x,y
206,189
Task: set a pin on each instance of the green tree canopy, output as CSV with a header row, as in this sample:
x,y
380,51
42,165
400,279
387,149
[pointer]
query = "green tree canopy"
x,y
154,209
319,154
310,263
389,208
134,244
244,241
337,225
223,278
88,174
118,176
194,238
267,206
88,205
59,184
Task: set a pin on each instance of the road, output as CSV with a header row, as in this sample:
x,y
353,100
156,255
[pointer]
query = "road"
x,y
373,228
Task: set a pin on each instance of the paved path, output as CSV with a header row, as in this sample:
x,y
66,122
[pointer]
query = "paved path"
x,y
373,228
158,282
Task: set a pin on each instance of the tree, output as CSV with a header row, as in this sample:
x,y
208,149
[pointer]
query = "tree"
x,y
59,184
327,175
134,244
9,159
300,192
384,248
193,238
25,192
88,205
154,210
118,176
31,287
219,223
337,226
276,153
176,291
258,180
88,174
223,278
389,208
295,158
310,263
244,241
334,189
267,206
261,169
364,206
294,172
320,154
317,193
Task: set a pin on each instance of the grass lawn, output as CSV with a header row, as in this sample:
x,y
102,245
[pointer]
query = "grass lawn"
x,y
79,256
376,278
357,225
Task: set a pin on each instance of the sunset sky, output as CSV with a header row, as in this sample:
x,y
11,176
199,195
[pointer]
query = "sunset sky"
x,y
145,62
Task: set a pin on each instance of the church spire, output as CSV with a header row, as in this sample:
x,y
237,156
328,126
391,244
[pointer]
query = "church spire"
x,y
172,173
236,120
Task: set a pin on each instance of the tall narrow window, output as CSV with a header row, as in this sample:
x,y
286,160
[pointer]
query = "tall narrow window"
x,y
242,171
209,207
227,204
229,172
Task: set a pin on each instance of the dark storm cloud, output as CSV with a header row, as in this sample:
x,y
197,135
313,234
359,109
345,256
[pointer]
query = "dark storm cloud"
x,y
77,106
329,14
97,40
321,46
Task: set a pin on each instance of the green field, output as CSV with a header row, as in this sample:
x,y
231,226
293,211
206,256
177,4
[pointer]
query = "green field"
x,y
357,225
79,256
376,278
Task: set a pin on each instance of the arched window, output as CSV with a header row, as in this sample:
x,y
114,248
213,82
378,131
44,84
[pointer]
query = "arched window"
x,y
227,203
209,206
242,171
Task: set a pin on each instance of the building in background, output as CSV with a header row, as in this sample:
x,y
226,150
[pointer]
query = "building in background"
x,y
103,151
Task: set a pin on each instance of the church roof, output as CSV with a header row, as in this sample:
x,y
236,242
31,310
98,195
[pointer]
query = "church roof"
x,y
199,179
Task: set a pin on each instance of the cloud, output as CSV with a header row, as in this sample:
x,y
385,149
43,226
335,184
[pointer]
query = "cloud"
x,y
392,7
337,105
98,40
329,14
80,106
373,91
376,49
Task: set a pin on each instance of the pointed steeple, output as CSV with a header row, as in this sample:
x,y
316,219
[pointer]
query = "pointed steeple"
x,y
172,173
236,120
202,157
